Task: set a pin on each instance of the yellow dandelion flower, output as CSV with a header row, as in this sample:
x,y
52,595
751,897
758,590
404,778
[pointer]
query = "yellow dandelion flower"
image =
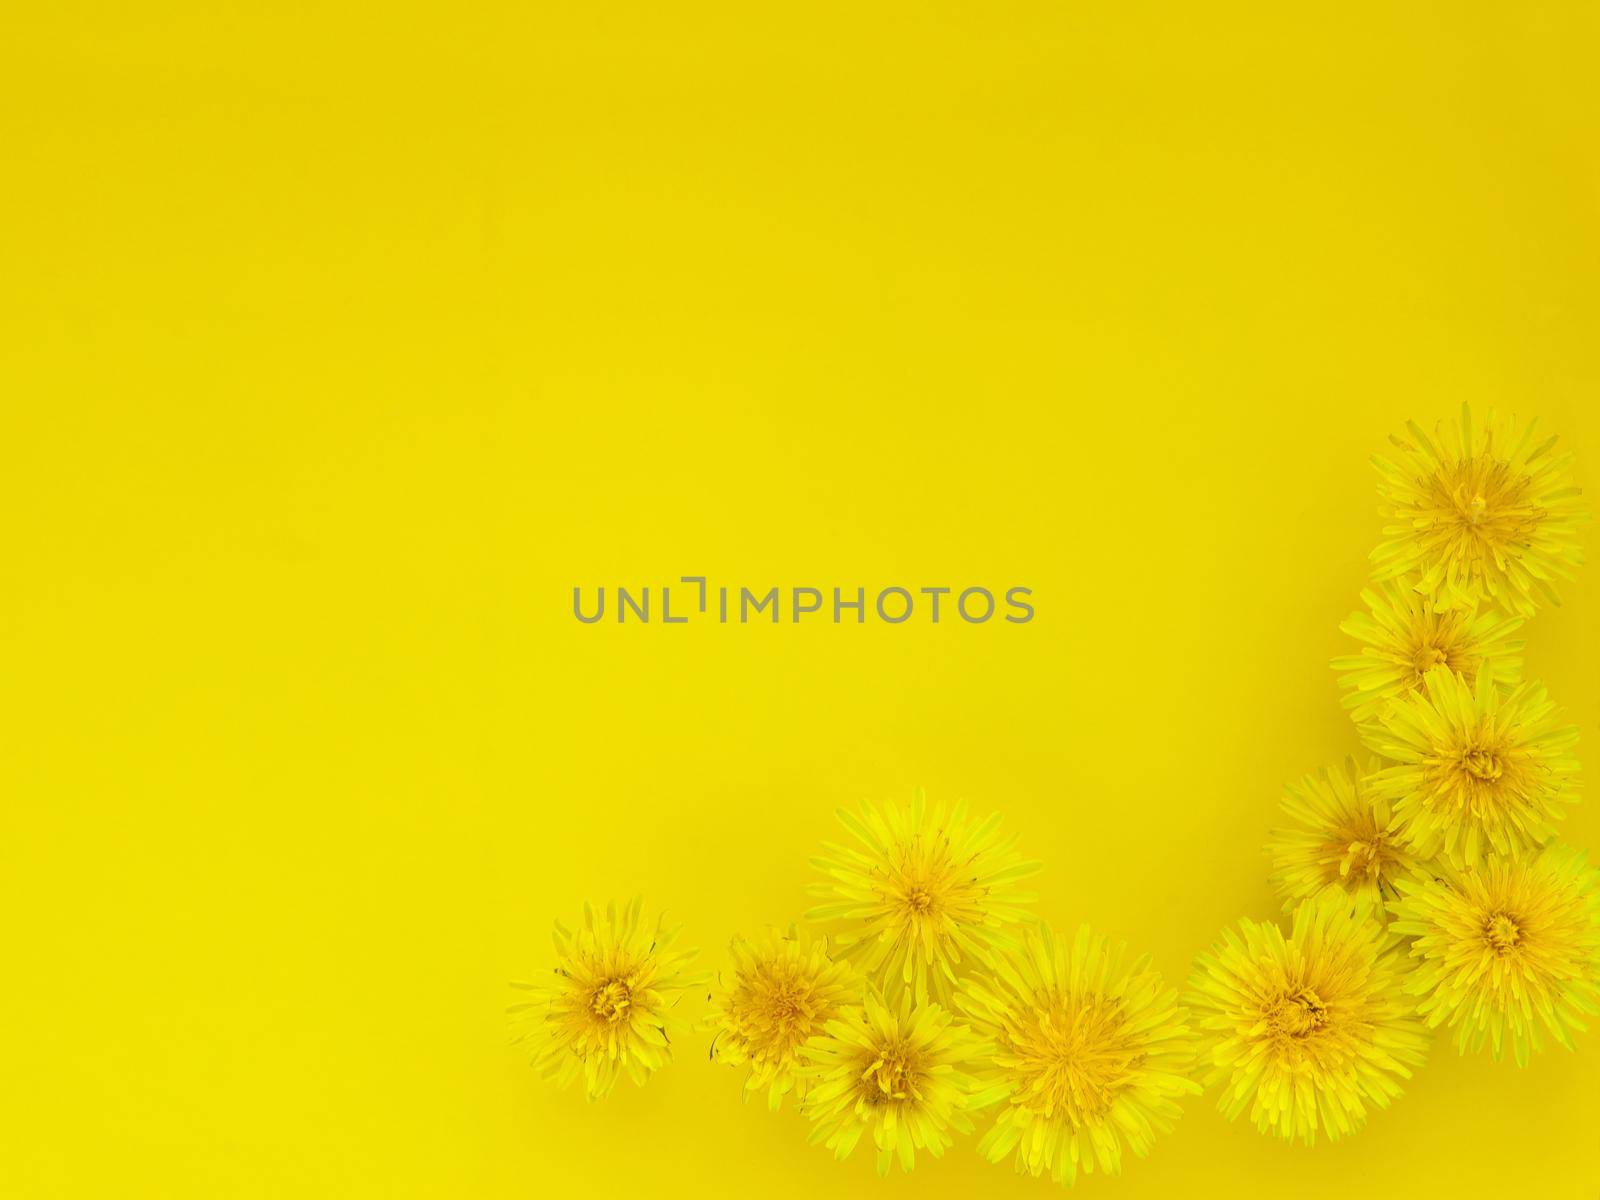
x,y
1090,1052
1507,948
1475,770
1402,638
1312,1029
782,991
923,896
1342,840
905,1073
1479,510
608,1009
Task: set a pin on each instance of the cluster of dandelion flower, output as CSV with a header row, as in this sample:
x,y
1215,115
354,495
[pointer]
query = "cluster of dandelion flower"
x,y
1478,765
972,1004
1424,888
927,997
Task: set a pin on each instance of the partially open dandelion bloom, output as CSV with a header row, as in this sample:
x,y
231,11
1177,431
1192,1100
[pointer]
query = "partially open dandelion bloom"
x,y
782,991
1507,949
1402,639
1479,510
1310,1030
1090,1052
923,895
903,1073
1341,840
1475,770
608,1008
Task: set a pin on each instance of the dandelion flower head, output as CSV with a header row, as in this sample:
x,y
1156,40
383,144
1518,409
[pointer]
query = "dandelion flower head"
x,y
1482,509
781,992
607,1007
1091,1052
1474,770
922,895
1402,638
1340,838
902,1073
1507,949
1311,1030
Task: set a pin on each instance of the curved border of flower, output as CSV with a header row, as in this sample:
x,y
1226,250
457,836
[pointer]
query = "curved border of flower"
x,y
1423,888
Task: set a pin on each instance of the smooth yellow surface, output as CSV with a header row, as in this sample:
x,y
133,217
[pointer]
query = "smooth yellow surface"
x,y
337,344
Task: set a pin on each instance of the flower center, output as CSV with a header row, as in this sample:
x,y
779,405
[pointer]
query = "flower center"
x,y
1482,764
1479,504
611,1001
891,1071
1299,1014
918,900
1362,857
1074,1056
1502,933
1428,657
788,1009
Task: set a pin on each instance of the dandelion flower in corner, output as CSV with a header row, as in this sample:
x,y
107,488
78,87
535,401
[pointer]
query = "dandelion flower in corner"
x,y
1090,1052
922,896
1341,840
608,1008
903,1073
1506,949
1402,638
782,991
1311,1030
1477,510
1474,770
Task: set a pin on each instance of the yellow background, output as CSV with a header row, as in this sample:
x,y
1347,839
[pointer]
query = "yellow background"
x,y
335,349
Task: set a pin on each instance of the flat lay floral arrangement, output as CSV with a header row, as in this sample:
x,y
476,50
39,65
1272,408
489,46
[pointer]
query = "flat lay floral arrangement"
x,y
1424,890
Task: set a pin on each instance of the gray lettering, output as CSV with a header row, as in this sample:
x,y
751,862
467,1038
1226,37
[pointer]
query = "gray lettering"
x,y
600,609
884,616
746,596
810,608
623,598
701,580
961,605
